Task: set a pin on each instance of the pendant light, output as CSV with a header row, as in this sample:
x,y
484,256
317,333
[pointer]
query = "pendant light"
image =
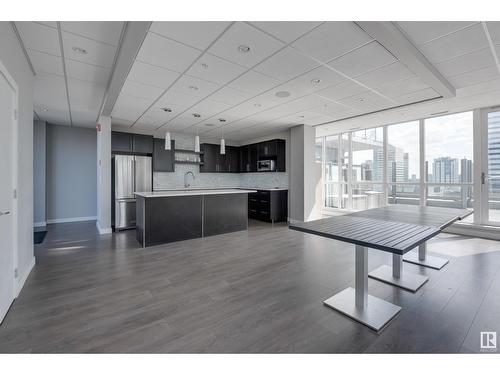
x,y
197,142
222,140
167,141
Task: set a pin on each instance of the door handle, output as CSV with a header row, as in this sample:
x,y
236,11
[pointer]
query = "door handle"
x,y
4,213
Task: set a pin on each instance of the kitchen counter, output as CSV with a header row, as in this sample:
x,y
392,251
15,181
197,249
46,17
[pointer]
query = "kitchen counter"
x,y
187,192
177,215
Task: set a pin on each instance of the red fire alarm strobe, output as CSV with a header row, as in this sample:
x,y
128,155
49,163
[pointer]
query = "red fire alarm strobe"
x,y
98,127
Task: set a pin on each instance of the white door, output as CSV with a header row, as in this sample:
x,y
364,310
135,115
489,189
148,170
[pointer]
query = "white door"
x,y
490,177
7,100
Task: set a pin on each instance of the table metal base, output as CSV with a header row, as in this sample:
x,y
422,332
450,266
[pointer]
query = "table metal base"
x,y
375,314
422,259
408,281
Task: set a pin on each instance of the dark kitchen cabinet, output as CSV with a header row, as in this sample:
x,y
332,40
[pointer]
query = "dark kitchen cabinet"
x,y
142,143
131,143
252,157
232,159
163,160
280,155
244,159
268,205
121,142
209,157
267,149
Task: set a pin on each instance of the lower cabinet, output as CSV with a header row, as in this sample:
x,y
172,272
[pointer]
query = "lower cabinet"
x,y
268,205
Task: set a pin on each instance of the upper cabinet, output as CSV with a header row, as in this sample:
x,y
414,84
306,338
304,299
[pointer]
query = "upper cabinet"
x,y
243,159
131,143
163,160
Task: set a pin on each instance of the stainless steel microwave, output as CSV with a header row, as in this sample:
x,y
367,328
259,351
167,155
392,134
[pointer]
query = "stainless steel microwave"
x,y
266,165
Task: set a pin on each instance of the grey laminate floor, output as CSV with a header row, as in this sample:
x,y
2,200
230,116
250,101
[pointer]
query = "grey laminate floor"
x,y
259,290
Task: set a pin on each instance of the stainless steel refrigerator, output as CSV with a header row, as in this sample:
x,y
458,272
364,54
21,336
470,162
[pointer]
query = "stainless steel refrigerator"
x,y
131,173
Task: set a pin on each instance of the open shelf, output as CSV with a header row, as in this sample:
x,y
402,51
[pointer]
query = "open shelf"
x,y
184,151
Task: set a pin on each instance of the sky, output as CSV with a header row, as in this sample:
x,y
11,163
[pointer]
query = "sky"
x,y
444,136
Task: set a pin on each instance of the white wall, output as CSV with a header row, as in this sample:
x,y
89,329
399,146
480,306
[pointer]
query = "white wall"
x,y
71,176
13,59
39,171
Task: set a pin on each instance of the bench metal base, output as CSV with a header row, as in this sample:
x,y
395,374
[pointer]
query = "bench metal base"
x,y
375,314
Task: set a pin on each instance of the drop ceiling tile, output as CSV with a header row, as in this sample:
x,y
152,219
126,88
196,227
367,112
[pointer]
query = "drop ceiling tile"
x,y
49,92
208,108
106,32
97,53
197,34
474,77
301,104
48,23
341,90
214,69
466,63
151,75
140,90
39,37
307,83
399,88
286,64
157,50
383,76
261,45
194,86
176,101
366,102
287,31
254,82
130,107
335,111
423,31
86,72
494,30
182,122
332,39
115,121
417,96
230,96
362,60
459,43
158,116
45,63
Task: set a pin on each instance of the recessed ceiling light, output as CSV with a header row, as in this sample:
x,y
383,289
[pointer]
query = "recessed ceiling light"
x,y
204,66
222,120
258,105
315,81
361,99
79,50
209,125
282,94
193,87
196,115
301,116
243,48
166,110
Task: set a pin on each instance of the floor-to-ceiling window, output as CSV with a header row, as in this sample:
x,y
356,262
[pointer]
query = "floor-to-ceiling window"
x,y
449,160
403,163
425,161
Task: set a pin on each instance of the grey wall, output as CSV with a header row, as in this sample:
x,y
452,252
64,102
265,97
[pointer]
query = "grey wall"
x,y
39,170
12,57
71,173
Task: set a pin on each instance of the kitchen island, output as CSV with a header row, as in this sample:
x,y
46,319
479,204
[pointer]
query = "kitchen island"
x,y
176,215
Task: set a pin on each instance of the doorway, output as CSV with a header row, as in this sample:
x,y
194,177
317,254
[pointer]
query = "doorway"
x,y
8,171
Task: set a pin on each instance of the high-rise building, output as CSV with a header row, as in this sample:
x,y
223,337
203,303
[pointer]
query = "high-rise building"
x,y
445,170
494,150
406,165
397,170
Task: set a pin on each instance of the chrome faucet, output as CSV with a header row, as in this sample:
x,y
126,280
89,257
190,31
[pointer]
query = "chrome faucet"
x,y
186,184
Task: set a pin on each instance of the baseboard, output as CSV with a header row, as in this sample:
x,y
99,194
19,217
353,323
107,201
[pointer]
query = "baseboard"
x,y
71,219
40,224
103,230
24,277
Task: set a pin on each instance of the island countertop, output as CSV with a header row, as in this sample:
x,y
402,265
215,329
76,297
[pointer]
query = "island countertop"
x,y
182,193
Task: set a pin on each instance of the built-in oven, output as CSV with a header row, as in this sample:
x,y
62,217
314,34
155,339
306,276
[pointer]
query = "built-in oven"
x,y
266,165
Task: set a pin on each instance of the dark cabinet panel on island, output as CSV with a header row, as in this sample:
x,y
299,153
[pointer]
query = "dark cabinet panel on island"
x,y
163,160
268,205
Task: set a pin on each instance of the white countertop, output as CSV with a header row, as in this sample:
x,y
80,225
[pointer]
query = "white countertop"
x,y
186,192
